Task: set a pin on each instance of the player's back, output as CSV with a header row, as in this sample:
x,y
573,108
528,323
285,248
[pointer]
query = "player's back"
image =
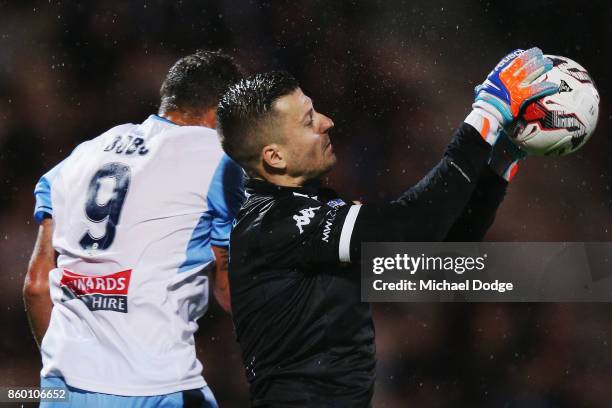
x,y
134,211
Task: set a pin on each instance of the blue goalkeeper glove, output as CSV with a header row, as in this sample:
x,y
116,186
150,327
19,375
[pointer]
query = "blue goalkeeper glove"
x,y
507,90
509,87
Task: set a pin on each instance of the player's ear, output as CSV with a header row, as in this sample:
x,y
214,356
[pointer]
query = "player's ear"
x,y
273,156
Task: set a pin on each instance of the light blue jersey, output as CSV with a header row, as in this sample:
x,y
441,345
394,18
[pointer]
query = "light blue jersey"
x,y
135,213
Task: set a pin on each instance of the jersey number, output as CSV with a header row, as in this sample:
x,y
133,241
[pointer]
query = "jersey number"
x,y
108,211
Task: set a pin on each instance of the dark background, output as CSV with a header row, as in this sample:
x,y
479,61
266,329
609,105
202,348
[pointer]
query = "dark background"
x,y
397,78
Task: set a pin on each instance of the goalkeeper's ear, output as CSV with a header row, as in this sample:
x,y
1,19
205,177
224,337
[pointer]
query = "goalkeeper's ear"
x,y
273,158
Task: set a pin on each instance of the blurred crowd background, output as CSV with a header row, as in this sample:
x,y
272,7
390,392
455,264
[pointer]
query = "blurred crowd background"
x,y
397,78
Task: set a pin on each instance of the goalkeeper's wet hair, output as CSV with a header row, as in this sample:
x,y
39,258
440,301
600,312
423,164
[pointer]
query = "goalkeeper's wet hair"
x,y
245,113
195,83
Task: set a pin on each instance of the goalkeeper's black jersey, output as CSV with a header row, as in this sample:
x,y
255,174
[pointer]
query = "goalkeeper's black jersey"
x,y
307,339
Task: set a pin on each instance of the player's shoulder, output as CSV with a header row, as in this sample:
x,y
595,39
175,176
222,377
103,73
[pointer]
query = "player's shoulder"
x,y
200,134
326,200
196,141
293,214
295,201
116,130
270,209
121,128
104,137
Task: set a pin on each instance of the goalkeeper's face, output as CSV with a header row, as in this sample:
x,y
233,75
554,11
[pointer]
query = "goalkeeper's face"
x,y
305,144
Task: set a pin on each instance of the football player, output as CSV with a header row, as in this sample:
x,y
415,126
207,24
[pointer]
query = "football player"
x,y
307,339
138,216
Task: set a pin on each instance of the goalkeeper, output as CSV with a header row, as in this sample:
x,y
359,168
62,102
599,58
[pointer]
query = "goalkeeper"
x,y
307,339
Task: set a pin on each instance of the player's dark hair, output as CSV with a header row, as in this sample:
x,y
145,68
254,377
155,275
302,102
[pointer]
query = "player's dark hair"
x,y
196,82
244,110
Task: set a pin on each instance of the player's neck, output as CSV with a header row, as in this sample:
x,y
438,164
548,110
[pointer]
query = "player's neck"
x,y
207,119
284,180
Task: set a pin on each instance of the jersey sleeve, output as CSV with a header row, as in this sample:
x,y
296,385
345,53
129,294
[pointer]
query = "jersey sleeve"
x,y
225,197
428,211
43,208
479,214
300,230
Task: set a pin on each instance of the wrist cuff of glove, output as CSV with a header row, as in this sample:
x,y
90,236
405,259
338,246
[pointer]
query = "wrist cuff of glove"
x,y
495,107
487,124
491,109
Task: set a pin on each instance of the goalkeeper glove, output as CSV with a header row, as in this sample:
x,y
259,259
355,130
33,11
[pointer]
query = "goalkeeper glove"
x,y
509,87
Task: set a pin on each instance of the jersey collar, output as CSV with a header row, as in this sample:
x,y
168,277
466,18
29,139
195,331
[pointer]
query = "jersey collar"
x,y
161,119
259,186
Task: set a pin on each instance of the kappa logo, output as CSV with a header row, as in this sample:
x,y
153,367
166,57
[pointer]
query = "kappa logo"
x,y
305,217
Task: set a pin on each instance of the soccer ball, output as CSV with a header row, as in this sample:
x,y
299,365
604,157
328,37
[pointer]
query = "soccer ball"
x,y
561,123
